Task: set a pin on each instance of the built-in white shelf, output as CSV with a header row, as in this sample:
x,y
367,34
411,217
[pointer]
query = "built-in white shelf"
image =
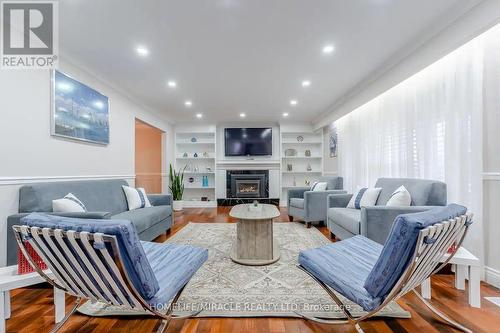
x,y
301,157
186,187
199,173
302,142
310,143
196,158
302,172
201,142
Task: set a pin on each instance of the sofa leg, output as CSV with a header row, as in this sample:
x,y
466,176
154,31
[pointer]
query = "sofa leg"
x,y
308,224
169,231
332,236
290,218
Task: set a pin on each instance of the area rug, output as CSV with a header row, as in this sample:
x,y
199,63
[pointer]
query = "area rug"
x,y
226,289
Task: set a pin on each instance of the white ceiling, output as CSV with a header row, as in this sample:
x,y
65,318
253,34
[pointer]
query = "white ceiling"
x,y
233,56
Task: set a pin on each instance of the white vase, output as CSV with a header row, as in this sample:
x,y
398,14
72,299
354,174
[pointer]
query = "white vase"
x,y
177,206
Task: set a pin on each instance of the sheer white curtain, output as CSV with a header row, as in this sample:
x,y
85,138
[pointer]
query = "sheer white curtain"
x,y
428,126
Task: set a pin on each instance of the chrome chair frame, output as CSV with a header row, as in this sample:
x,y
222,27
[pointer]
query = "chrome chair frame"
x,y
90,261
432,243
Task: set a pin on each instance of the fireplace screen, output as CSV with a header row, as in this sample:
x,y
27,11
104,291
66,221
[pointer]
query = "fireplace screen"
x,y
248,184
245,188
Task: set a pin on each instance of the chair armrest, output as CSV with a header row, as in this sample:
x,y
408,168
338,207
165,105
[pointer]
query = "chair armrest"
x,y
315,203
339,200
160,199
377,221
296,193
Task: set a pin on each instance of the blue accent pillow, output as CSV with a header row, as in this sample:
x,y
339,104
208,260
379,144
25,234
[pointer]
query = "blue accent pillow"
x,y
395,256
131,251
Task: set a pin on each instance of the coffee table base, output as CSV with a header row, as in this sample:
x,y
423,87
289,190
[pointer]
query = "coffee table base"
x,y
255,262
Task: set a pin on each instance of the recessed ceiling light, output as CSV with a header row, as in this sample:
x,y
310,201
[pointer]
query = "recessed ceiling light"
x,y
293,102
142,51
242,115
188,103
306,83
285,114
172,84
327,49
199,115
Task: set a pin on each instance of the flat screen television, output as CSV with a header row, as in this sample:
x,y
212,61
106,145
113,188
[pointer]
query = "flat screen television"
x,y
248,141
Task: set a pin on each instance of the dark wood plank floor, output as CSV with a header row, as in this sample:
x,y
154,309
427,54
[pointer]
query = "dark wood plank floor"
x,y
32,309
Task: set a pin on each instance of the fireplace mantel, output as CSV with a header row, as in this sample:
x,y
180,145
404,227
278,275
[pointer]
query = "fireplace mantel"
x,y
248,165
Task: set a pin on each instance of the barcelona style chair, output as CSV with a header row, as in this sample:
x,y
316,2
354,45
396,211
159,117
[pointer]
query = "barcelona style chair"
x,y
104,261
372,275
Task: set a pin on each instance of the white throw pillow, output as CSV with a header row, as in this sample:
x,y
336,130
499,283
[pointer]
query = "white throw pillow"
x,y
400,198
364,197
136,197
319,186
68,204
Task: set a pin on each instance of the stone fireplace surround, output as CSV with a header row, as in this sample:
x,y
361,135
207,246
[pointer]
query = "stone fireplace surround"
x,y
254,179
271,169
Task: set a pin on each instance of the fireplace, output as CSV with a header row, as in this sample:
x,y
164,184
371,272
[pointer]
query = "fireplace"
x,y
247,184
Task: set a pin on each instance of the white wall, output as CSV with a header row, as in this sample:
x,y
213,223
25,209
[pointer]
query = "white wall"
x,y
491,165
30,154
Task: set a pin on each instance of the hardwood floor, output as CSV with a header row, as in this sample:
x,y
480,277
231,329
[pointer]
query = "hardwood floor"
x,y
32,309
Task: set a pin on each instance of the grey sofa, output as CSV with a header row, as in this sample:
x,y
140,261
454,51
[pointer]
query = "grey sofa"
x,y
104,199
375,222
310,206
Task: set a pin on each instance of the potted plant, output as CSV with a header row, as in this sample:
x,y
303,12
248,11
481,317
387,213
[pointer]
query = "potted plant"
x,y
177,187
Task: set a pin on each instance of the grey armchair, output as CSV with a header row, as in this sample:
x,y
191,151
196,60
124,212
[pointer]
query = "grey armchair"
x,y
310,206
375,222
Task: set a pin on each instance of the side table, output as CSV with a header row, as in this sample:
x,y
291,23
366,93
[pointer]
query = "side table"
x,y
10,280
466,266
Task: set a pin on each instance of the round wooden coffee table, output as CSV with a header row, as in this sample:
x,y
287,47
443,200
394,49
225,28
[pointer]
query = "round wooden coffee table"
x,y
254,244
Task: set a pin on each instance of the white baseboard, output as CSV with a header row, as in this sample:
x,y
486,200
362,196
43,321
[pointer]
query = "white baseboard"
x,y
492,276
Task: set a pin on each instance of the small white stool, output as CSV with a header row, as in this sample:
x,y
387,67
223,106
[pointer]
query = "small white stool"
x,y
10,280
467,266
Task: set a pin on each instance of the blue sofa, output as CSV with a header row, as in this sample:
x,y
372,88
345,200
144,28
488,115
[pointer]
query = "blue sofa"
x,y
104,199
376,222
310,206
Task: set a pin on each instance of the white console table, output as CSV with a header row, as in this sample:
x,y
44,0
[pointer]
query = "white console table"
x,y
10,280
466,266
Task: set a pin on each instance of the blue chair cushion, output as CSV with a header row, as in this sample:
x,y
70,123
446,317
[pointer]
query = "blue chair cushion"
x,y
344,267
173,266
399,247
133,256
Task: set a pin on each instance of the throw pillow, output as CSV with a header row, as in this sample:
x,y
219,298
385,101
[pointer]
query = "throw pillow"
x,y
68,204
364,197
400,198
136,197
319,186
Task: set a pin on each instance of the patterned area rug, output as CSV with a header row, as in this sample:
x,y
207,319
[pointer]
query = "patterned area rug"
x,y
226,289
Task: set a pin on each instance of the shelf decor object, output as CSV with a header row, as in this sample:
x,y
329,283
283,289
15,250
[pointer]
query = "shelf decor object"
x,y
300,138
290,152
194,140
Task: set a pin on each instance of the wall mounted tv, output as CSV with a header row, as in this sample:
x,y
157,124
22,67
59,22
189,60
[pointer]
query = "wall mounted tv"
x,y
248,141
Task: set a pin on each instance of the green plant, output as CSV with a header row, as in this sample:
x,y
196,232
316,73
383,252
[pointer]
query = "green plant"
x,y
176,183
